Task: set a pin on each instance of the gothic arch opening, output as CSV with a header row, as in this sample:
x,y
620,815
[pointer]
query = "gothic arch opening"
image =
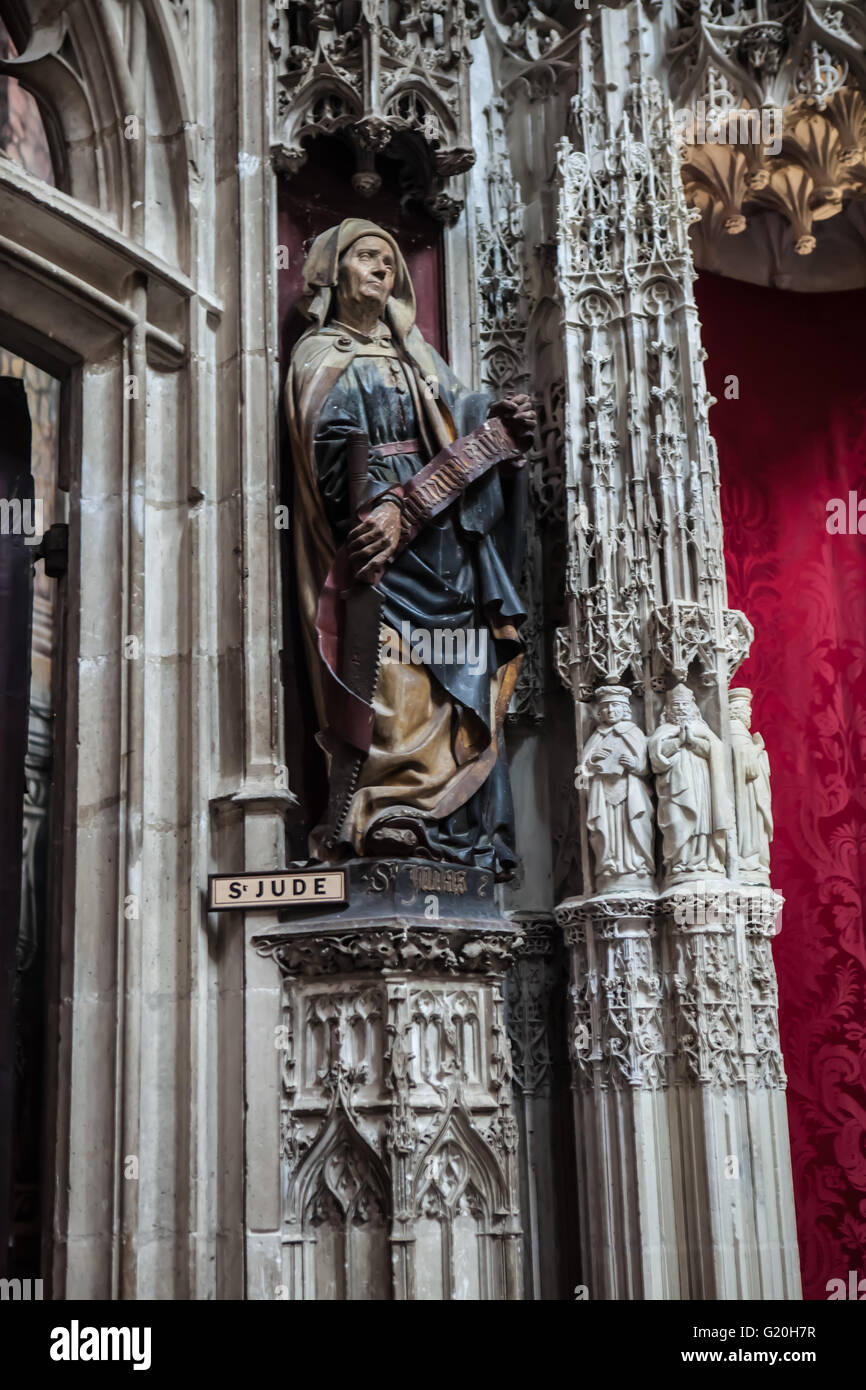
x,y
28,130
345,1217
33,530
457,1196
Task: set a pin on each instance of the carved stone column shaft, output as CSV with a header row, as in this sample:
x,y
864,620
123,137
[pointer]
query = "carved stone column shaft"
x,y
618,1050
681,1131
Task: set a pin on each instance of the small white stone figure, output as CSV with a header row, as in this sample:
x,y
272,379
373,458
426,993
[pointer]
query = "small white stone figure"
x,y
694,804
615,771
751,790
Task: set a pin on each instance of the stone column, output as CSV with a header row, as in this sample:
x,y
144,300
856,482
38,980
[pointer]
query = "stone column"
x,y
398,1143
619,1060
684,1173
736,1212
535,1015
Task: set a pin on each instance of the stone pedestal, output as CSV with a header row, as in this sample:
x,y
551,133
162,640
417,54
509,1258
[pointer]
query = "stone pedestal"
x,y
398,1143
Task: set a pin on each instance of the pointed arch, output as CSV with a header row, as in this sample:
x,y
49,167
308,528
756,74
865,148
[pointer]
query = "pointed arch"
x,y
342,1202
116,107
483,1168
459,1197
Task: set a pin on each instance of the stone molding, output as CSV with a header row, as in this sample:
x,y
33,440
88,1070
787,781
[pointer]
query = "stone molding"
x,y
379,946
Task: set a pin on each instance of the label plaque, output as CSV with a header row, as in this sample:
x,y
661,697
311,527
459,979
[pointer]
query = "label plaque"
x,y
304,888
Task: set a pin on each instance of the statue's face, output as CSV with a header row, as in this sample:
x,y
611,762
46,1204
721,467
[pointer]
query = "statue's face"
x,y
612,711
682,710
743,713
367,272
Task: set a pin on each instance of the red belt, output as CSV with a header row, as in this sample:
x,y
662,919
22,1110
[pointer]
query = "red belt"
x,y
403,446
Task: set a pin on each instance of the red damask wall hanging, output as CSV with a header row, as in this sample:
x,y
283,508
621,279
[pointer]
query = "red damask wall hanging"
x,y
789,372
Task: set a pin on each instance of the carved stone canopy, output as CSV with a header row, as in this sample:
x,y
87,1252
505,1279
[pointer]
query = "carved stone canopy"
x,y
538,42
384,73
765,52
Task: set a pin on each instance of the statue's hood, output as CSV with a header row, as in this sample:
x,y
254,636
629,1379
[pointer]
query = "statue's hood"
x,y
321,269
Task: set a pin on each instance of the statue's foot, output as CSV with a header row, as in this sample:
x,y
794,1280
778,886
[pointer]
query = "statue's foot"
x,y
391,839
400,833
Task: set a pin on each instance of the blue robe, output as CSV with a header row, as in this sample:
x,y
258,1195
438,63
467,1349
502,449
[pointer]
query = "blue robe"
x,y
458,573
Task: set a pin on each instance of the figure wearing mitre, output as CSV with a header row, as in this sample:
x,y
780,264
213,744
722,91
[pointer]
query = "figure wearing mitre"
x,y
751,790
433,780
614,769
694,806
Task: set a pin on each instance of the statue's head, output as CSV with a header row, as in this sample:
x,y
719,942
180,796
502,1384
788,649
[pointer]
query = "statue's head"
x,y
680,705
358,265
365,278
740,705
612,703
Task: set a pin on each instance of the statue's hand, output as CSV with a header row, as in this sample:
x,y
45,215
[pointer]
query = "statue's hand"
x,y
373,541
627,761
518,415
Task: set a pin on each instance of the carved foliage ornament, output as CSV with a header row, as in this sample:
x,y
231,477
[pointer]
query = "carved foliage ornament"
x,y
442,952
772,108
803,162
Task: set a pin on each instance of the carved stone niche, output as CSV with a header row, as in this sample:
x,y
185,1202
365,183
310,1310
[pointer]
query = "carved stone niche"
x,y
399,1144
386,73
